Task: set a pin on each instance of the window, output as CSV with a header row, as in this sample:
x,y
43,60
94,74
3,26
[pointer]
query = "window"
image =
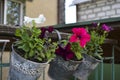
x,y
70,12
12,12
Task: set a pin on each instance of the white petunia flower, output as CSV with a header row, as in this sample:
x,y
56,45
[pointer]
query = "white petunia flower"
x,y
40,19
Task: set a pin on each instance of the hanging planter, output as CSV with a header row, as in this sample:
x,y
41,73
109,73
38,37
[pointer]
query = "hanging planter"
x,y
86,67
69,56
61,69
23,69
82,40
31,53
93,50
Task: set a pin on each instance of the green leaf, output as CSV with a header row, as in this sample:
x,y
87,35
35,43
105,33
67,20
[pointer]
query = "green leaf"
x,y
26,56
42,55
48,55
78,55
98,56
31,45
26,49
39,48
18,32
31,53
40,59
21,46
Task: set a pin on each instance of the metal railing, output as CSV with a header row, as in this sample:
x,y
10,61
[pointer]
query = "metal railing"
x,y
96,75
1,55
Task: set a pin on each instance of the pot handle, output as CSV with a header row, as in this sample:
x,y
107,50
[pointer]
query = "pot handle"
x,y
58,34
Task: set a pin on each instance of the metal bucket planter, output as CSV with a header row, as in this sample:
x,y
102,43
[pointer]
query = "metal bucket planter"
x,y
86,67
62,70
22,69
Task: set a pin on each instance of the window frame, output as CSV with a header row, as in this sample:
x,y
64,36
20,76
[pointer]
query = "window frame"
x,y
1,11
5,11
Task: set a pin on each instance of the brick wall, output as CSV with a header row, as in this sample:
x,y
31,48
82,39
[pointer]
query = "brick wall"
x,y
98,9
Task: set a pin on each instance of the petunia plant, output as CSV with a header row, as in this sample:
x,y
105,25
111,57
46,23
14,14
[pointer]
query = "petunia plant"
x,y
98,34
34,45
75,46
84,40
78,41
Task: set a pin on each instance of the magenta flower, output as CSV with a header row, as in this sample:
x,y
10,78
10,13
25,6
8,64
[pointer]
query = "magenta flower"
x,y
65,52
80,35
106,28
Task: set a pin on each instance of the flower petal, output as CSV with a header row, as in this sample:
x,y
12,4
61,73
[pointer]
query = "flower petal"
x,y
83,43
43,29
67,47
69,55
95,24
74,30
73,38
106,28
86,37
50,29
84,40
59,51
79,31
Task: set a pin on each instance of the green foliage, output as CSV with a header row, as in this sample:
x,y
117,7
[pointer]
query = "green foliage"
x,y
98,37
77,50
75,47
34,48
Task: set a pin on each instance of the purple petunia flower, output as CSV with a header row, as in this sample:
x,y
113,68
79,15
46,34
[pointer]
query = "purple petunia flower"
x,y
95,24
43,30
50,29
65,52
106,28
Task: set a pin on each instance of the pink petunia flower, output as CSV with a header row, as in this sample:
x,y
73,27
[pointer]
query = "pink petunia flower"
x,y
80,35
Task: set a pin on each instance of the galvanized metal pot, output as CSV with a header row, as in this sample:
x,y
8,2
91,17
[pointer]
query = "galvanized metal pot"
x,y
22,69
86,67
62,70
